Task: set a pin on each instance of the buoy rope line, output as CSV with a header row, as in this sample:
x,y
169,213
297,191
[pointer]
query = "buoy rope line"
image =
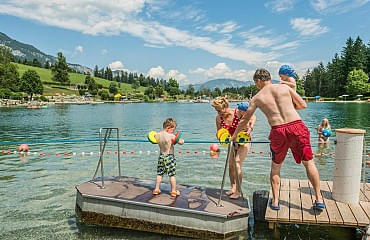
x,y
140,152
53,141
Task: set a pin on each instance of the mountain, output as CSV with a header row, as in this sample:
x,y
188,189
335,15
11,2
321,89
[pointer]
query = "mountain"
x,y
26,51
221,83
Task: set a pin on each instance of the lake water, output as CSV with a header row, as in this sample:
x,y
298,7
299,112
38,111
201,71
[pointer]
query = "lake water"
x,y
37,191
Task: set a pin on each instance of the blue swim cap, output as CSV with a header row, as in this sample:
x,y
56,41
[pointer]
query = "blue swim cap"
x,y
243,106
287,70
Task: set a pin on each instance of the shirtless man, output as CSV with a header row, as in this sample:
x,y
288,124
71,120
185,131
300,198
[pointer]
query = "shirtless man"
x,y
279,103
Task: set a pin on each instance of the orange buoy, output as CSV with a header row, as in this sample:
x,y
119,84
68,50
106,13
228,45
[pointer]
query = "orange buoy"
x,y
23,148
214,148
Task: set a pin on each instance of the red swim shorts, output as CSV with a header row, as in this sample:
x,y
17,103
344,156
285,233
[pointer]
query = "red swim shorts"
x,y
293,135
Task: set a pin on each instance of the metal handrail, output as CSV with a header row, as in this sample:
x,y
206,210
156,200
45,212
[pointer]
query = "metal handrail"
x,y
230,150
102,145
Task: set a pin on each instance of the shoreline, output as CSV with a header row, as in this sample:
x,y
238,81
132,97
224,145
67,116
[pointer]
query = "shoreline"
x,y
13,103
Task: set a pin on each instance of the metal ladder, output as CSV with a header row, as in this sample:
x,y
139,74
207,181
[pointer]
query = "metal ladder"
x,y
103,143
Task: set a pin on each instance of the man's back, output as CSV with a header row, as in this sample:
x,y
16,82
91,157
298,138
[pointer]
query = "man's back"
x,y
277,102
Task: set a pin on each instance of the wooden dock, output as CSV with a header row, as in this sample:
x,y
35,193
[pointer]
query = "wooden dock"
x,y
297,198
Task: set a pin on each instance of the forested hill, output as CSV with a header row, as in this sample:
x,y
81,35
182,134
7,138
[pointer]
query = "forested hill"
x,y
221,83
22,51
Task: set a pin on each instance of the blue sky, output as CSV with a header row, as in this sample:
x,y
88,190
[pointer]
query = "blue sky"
x,y
192,41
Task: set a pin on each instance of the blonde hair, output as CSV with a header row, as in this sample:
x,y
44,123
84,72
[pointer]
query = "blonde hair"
x,y
325,123
220,102
169,123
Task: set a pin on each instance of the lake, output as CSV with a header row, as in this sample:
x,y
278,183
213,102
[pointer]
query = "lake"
x,y
38,191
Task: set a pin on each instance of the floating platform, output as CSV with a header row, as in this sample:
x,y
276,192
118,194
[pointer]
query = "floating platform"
x,y
297,198
128,202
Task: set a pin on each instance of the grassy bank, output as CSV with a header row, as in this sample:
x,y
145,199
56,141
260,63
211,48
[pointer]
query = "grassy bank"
x,y
51,87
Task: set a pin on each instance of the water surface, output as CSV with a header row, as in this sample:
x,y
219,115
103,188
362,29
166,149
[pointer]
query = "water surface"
x,y
37,191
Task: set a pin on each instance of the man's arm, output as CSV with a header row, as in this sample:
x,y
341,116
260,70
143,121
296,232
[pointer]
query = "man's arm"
x,y
298,102
251,124
244,120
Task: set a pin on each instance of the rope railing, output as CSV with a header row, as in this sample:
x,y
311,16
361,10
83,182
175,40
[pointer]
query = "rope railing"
x,y
51,141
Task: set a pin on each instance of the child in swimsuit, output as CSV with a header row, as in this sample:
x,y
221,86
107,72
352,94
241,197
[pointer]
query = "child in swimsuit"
x,y
166,160
229,118
288,76
324,125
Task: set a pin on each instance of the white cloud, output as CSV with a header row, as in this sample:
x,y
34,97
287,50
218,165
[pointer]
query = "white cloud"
x,y
159,72
264,38
280,5
104,51
180,77
308,26
336,6
226,27
290,45
114,17
79,49
117,65
222,70
156,72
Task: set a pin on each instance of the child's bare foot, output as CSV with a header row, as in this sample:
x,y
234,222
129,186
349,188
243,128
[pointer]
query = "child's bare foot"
x,y
175,193
234,196
156,191
230,192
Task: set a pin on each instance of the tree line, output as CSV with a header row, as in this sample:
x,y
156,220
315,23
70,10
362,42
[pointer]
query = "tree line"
x,y
346,74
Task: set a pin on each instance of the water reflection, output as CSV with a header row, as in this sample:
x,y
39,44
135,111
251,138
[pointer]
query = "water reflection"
x,y
322,152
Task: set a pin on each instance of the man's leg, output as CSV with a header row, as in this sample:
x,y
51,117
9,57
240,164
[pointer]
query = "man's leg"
x,y
275,182
313,176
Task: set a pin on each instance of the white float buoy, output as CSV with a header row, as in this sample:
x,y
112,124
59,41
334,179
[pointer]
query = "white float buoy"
x,y
348,164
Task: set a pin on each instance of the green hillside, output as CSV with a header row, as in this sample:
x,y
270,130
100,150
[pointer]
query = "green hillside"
x,y
51,87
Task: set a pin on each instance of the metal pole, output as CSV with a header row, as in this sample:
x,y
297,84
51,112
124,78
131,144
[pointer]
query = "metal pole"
x,y
119,156
102,168
223,178
101,152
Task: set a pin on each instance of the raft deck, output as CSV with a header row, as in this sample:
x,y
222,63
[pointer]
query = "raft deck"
x,y
296,200
128,202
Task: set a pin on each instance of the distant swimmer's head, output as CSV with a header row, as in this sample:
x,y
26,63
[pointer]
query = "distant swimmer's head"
x,y
287,71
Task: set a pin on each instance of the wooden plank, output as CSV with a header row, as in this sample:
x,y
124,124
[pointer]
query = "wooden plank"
x,y
345,211
283,213
331,206
270,214
293,185
308,214
321,216
360,215
366,193
295,207
362,196
284,184
366,207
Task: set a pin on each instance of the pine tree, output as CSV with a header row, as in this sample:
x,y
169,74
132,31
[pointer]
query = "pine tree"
x,y
60,70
